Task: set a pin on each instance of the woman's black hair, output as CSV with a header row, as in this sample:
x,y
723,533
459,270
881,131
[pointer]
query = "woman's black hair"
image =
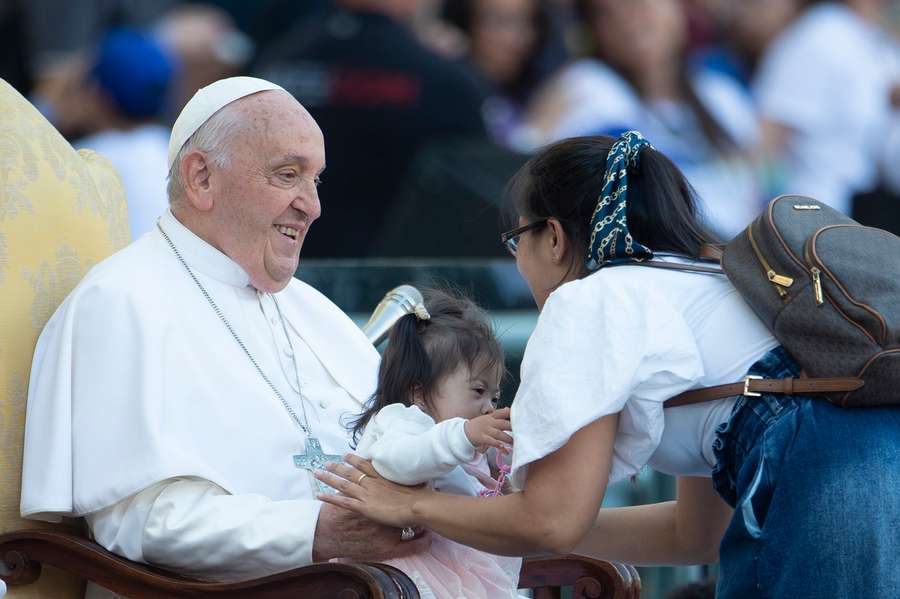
x,y
563,181
420,354
461,14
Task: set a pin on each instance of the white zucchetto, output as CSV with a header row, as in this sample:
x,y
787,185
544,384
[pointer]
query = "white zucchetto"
x,y
208,101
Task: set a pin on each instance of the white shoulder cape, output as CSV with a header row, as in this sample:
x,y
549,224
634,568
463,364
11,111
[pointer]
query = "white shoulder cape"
x,y
135,380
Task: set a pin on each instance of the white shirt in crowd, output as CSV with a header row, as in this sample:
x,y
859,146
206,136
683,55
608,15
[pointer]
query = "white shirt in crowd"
x,y
146,417
828,79
139,157
624,340
594,100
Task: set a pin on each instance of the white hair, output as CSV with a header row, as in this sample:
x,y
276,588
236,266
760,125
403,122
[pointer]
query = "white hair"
x,y
213,138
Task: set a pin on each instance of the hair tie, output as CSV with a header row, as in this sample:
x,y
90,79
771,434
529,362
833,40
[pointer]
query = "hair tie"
x,y
421,312
610,238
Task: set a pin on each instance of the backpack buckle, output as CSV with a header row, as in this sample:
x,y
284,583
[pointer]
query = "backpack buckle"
x,y
747,391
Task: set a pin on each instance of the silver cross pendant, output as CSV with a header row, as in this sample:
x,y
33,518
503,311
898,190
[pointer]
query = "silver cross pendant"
x,y
313,458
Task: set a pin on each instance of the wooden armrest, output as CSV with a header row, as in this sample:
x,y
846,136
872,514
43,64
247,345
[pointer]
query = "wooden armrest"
x,y
24,551
589,577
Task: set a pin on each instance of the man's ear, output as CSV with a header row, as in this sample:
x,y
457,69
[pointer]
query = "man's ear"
x,y
559,243
195,176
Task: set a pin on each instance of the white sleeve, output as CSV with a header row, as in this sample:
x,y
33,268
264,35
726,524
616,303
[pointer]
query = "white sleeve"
x,y
807,74
411,449
194,527
599,350
731,106
597,100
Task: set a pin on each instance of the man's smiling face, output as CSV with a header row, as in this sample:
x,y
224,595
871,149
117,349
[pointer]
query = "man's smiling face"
x,y
266,197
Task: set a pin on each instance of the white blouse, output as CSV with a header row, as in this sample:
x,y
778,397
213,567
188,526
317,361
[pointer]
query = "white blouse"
x,y
828,78
597,100
623,340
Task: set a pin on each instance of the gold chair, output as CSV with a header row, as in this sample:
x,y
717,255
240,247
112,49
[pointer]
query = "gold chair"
x,y
60,213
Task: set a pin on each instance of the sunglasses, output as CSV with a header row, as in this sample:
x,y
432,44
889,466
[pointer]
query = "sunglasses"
x,y
511,238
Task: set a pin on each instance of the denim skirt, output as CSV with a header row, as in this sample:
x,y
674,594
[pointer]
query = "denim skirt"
x,y
816,495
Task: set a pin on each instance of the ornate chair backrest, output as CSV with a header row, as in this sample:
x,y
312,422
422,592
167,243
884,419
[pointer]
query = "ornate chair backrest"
x,y
61,211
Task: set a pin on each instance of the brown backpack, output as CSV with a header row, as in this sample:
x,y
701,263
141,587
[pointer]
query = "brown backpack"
x,y
829,290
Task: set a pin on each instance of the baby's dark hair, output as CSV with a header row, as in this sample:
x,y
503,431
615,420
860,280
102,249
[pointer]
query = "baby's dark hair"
x,y
420,354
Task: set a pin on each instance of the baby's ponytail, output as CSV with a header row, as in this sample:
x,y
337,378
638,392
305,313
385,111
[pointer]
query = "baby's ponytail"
x,y
404,367
426,347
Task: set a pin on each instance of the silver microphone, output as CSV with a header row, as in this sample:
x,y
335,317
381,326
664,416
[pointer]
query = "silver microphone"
x,y
397,303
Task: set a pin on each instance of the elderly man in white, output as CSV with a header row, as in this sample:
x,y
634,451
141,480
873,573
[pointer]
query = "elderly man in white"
x,y
182,393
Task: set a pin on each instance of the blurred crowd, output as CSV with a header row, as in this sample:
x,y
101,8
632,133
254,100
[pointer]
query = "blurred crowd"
x,y
428,106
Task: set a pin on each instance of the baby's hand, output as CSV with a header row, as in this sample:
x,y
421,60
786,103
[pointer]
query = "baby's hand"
x,y
488,431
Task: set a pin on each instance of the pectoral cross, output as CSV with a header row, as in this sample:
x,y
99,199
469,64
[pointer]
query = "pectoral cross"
x,y
313,458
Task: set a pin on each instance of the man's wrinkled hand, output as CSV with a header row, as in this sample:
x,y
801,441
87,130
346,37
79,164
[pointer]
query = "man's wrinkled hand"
x,y
342,533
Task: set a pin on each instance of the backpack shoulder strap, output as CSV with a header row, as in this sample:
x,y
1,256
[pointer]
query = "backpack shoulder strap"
x,y
706,270
712,252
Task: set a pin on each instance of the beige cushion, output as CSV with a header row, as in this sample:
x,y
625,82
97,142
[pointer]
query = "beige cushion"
x,y
60,213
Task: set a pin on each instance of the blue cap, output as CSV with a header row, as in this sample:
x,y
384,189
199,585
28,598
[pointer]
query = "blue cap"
x,y
135,72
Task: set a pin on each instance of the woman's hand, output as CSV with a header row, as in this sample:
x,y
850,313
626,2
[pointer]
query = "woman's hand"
x,y
363,491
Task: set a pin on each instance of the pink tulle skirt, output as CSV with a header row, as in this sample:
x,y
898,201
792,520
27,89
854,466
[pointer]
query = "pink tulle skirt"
x,y
453,571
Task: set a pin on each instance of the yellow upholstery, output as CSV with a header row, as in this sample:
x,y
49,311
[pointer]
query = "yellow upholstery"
x,y
60,213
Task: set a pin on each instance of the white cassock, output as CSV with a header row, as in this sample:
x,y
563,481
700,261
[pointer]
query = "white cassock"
x,y
146,417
